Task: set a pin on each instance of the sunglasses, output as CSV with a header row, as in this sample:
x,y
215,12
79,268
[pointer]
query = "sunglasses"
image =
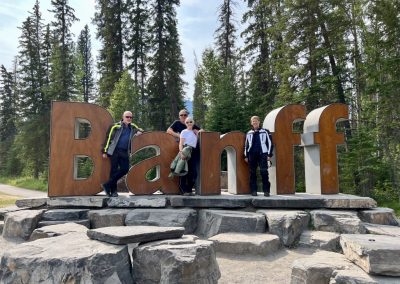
x,y
184,114
187,122
128,117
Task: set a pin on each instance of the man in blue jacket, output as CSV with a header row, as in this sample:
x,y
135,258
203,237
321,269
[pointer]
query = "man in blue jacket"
x,y
117,147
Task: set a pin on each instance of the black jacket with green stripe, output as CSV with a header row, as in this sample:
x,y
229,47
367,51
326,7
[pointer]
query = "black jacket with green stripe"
x,y
113,135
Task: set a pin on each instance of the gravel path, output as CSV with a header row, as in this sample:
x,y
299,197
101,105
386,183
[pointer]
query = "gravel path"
x,y
21,192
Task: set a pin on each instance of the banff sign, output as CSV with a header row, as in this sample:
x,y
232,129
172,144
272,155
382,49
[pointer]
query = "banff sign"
x,y
319,140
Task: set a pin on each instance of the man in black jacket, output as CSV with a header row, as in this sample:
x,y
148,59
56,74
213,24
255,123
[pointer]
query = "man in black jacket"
x,y
117,146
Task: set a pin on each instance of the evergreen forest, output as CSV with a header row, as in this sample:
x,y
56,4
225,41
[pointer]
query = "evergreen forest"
x,y
311,52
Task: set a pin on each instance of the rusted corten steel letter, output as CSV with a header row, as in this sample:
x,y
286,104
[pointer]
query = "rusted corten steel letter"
x,y
166,149
320,140
65,147
280,123
211,146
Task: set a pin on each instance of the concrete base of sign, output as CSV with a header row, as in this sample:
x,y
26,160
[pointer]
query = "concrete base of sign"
x,y
225,200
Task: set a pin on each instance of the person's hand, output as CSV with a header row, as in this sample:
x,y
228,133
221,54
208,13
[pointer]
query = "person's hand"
x,y
196,131
138,133
183,157
246,160
104,155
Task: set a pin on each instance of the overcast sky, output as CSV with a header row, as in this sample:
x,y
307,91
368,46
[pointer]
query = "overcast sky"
x,y
197,21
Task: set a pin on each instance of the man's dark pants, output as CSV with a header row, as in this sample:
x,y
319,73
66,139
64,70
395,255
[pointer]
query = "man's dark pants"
x,y
260,160
119,168
187,182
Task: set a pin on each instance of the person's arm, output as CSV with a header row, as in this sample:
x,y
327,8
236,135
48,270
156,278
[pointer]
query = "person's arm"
x,y
245,149
171,131
105,145
181,143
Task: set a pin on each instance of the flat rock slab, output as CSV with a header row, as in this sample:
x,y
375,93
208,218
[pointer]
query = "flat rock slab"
x,y
20,224
214,222
320,240
186,218
319,267
221,201
4,211
138,202
70,258
57,230
375,254
287,224
361,277
382,230
382,216
339,221
311,201
134,234
78,201
85,223
186,260
31,202
107,217
246,244
65,214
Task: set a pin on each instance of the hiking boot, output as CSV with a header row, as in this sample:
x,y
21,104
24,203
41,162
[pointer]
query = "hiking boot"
x,y
105,189
266,194
254,193
114,194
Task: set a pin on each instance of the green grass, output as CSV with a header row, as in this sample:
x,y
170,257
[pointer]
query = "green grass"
x,y
26,182
395,205
7,200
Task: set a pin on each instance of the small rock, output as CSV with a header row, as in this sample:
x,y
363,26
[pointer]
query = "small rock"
x,y
213,222
57,230
186,218
287,224
382,216
248,244
382,230
134,234
31,202
107,217
321,240
346,222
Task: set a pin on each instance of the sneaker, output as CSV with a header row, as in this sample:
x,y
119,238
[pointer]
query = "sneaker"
x,y
254,193
187,194
105,189
266,194
114,194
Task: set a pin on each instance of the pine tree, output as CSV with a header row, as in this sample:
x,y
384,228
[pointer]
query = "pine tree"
x,y
165,85
63,67
108,19
84,72
225,34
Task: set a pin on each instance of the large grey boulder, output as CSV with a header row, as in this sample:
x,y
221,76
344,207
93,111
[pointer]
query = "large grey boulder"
x,y
20,224
287,224
57,230
65,214
186,218
107,217
134,234
382,216
213,222
320,240
31,202
4,211
375,254
318,268
358,276
382,229
346,222
70,258
181,261
246,244
140,201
